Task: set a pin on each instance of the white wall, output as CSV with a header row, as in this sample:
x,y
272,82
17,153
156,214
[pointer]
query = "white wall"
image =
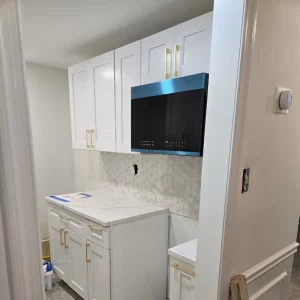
x,y
268,214
253,232
51,135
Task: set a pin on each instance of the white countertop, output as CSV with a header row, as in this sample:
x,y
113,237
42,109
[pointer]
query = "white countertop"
x,y
107,209
186,252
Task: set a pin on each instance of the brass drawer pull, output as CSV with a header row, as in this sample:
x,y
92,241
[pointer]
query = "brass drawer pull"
x,y
176,266
176,48
64,218
65,236
92,132
60,232
86,253
87,132
94,228
167,51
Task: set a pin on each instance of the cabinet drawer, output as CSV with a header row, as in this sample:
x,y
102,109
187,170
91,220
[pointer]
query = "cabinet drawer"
x,y
182,267
68,220
98,234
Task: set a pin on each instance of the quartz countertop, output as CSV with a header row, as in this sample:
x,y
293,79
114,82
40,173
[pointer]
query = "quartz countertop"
x,y
186,252
107,209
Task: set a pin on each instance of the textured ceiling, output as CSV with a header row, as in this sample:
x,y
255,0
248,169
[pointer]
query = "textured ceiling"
x,y
60,33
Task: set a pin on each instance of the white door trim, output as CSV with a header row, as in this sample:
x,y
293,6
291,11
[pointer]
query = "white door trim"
x,y
17,191
234,174
231,76
270,262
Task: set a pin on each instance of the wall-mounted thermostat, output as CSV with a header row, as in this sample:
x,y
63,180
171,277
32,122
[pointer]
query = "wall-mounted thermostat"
x,y
283,100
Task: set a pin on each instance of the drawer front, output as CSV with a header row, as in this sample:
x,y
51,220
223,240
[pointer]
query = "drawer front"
x,y
68,220
98,234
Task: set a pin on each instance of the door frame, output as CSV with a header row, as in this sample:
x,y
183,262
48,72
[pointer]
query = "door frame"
x,y
20,221
212,280
17,193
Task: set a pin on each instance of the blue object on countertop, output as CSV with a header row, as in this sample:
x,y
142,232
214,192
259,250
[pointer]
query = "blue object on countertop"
x,y
59,199
87,195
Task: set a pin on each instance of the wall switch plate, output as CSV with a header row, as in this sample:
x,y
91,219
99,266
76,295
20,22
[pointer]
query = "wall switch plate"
x,y
277,110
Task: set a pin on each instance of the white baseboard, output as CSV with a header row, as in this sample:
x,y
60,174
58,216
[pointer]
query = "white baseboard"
x,y
270,262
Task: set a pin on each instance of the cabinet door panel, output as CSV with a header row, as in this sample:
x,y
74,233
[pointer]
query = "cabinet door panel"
x,y
78,265
59,254
128,74
81,105
193,39
182,285
104,101
154,57
98,272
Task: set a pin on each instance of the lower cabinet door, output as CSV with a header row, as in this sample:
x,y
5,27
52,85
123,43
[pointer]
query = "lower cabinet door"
x,y
98,272
77,247
182,285
59,252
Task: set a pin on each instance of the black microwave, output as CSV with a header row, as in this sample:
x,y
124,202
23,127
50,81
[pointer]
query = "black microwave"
x,y
168,117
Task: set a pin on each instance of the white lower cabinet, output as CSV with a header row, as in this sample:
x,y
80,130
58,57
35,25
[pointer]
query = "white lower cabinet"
x,y
98,272
81,263
112,262
182,283
182,271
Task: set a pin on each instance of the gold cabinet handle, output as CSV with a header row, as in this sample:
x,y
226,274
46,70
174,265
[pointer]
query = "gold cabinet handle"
x,y
87,132
60,233
65,237
167,51
86,253
177,267
64,218
176,48
92,131
94,228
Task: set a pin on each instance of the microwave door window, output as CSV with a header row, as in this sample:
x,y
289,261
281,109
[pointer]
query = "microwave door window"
x,y
149,122
186,121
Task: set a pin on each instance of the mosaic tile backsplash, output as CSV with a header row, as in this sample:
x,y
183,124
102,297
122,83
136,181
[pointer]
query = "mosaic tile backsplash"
x,y
171,181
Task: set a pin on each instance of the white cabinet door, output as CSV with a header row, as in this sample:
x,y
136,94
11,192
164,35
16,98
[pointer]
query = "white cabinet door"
x,y
128,74
81,106
59,252
78,264
192,43
103,77
182,285
156,56
98,272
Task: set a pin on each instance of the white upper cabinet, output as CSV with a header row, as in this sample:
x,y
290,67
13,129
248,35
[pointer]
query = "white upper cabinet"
x,y
157,57
81,106
127,75
103,79
191,50
179,51
100,88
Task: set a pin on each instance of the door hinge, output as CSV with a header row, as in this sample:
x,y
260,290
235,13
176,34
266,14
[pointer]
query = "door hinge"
x,y
246,180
